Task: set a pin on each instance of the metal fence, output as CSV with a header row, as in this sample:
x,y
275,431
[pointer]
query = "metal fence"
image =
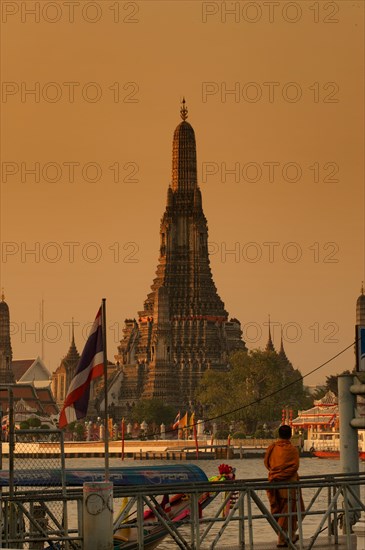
x,y
238,514
33,513
332,506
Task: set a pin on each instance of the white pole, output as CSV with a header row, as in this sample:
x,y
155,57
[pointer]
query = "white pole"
x,y
98,515
349,452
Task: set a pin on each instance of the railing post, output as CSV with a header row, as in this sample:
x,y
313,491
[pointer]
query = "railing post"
x,y
349,452
194,518
98,515
249,514
299,516
241,528
140,522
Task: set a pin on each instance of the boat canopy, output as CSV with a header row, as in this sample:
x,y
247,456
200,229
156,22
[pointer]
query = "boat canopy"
x,y
135,475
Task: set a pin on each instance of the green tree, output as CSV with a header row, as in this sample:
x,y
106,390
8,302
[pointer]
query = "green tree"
x,y
34,422
24,425
330,385
153,411
248,384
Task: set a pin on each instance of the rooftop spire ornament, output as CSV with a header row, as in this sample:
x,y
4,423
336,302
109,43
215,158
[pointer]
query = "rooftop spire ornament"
x,y
183,110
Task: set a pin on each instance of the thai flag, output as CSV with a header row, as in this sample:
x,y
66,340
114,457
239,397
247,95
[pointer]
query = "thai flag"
x,y
91,366
176,421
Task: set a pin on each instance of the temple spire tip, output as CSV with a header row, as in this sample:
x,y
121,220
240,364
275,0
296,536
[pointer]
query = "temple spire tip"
x,y
183,109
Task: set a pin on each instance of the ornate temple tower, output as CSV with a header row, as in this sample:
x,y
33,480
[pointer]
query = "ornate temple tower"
x,y
183,328
6,353
360,308
5,343
62,376
360,345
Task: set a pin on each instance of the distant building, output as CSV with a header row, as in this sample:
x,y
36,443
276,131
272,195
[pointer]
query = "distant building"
x,y
286,365
30,400
5,343
62,376
32,371
360,308
29,378
320,421
183,328
6,352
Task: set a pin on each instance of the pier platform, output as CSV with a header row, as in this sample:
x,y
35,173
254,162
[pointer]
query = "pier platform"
x,y
322,543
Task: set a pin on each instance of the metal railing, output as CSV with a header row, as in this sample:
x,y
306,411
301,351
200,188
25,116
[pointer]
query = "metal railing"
x,y
238,514
333,503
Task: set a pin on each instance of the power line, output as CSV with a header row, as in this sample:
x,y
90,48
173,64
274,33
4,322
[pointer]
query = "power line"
x,y
280,389
260,399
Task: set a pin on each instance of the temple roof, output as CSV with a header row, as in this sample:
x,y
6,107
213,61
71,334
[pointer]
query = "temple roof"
x,y
329,399
184,170
39,399
5,341
3,305
73,355
282,355
20,367
360,308
319,414
270,345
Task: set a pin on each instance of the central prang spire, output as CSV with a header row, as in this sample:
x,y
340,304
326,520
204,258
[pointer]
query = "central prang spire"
x,y
183,328
184,171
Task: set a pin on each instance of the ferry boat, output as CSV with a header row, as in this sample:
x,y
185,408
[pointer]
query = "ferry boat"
x,y
322,425
175,507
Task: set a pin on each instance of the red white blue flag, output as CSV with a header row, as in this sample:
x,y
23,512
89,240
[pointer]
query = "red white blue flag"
x,y
91,366
176,421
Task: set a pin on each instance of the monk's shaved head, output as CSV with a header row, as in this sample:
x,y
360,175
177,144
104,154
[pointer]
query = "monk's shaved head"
x,y
285,432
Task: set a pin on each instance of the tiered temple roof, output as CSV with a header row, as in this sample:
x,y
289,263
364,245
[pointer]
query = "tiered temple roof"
x,y
324,413
5,343
183,328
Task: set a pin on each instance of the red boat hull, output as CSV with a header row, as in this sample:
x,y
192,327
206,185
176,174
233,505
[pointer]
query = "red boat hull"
x,y
334,454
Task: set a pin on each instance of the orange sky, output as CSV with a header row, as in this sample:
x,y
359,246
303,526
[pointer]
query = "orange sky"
x,y
107,97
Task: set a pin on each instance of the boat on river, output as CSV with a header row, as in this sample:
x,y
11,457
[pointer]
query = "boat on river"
x,y
322,423
175,508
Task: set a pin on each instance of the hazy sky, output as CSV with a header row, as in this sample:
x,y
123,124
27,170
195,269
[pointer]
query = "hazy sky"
x,y
275,95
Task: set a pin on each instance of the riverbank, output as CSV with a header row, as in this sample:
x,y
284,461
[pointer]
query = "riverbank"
x,y
141,450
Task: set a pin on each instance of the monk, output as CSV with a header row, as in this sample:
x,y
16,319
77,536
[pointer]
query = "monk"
x,y
282,461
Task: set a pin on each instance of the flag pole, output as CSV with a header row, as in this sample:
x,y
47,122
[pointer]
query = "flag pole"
x,y
105,361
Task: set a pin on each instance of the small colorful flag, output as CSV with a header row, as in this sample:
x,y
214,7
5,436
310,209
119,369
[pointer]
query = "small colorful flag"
x,y
184,421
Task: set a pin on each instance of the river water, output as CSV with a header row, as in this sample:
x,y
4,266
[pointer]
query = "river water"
x,y
245,469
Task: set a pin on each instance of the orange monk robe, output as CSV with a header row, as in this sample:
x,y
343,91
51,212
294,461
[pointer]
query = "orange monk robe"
x,y
282,461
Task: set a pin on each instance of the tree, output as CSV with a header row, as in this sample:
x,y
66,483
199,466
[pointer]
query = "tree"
x,y
257,383
330,385
34,422
153,411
